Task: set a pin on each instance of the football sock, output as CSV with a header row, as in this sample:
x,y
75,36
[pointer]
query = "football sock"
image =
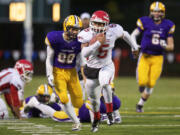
x,y
97,116
116,113
68,108
109,107
141,101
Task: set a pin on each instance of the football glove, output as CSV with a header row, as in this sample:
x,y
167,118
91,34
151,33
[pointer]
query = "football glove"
x,y
51,80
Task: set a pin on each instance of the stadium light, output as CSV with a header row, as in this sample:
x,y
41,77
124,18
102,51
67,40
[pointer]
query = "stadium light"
x,y
17,11
56,12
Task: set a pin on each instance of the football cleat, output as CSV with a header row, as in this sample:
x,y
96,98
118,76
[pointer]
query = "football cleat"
x,y
110,120
95,126
139,108
117,120
103,117
76,127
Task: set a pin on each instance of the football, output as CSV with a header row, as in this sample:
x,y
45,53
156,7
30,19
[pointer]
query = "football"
x,y
94,39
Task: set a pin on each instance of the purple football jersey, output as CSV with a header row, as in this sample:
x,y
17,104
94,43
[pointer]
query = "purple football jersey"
x,y
154,34
64,52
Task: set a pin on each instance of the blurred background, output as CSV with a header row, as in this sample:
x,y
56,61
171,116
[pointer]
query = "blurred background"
x,y
25,23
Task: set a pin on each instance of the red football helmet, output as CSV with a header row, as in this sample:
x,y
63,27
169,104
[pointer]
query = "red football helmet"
x,y
100,17
25,69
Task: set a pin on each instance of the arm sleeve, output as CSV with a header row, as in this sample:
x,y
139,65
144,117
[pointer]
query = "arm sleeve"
x,y
87,51
49,61
131,42
117,30
134,35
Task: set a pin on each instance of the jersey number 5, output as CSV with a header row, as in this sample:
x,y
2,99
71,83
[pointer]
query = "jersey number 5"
x,y
156,40
66,58
103,51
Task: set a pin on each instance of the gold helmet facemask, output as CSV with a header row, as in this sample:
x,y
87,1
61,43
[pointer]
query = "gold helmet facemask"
x,y
157,11
44,92
72,26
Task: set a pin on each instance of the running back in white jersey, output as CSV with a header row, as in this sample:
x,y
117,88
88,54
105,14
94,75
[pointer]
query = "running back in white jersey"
x,y
10,76
103,55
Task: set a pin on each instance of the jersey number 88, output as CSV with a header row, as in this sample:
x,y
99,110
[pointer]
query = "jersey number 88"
x,y
66,58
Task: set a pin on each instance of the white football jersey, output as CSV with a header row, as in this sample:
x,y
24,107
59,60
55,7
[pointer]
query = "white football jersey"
x,y
11,76
103,55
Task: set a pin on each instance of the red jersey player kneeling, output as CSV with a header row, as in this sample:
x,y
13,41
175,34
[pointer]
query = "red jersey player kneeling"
x,y
12,82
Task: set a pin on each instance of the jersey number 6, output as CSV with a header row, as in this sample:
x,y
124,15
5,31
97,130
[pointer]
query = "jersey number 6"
x,y
156,40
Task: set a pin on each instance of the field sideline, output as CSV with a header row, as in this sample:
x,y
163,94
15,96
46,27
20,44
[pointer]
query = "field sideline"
x,y
161,117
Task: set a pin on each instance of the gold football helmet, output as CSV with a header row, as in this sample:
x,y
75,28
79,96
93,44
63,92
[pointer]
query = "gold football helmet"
x,y
44,93
44,90
157,7
72,25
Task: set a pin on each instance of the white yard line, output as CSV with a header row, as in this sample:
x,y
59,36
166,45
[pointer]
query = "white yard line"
x,y
154,108
26,127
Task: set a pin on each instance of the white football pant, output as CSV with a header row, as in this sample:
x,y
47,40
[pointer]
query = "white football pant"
x,y
94,87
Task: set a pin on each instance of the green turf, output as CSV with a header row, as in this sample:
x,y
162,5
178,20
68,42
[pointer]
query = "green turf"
x,y
161,117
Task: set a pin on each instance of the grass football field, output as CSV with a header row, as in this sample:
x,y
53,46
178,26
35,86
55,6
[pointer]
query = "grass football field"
x,y
161,116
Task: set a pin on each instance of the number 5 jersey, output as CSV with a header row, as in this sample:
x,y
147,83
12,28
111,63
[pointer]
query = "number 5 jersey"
x,y
103,55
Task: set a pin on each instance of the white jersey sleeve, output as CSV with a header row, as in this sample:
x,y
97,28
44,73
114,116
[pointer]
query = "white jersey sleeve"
x,y
85,36
117,30
17,82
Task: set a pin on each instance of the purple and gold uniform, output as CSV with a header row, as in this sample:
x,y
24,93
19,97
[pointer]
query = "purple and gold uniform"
x,y
83,112
151,57
65,75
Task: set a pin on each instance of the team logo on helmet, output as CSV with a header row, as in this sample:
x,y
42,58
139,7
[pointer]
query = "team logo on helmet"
x,y
99,17
25,69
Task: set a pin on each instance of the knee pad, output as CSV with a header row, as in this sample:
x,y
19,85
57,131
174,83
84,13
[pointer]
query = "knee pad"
x,y
148,91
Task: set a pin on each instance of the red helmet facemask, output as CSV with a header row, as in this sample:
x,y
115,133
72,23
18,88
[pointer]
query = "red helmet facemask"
x,y
25,70
99,17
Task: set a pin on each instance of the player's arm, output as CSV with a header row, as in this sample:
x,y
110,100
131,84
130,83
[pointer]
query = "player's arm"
x,y
137,31
49,62
120,33
13,101
170,44
135,34
129,40
87,50
132,43
170,40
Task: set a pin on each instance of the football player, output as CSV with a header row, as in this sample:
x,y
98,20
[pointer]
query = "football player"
x,y
62,49
12,82
85,17
157,38
99,70
43,105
